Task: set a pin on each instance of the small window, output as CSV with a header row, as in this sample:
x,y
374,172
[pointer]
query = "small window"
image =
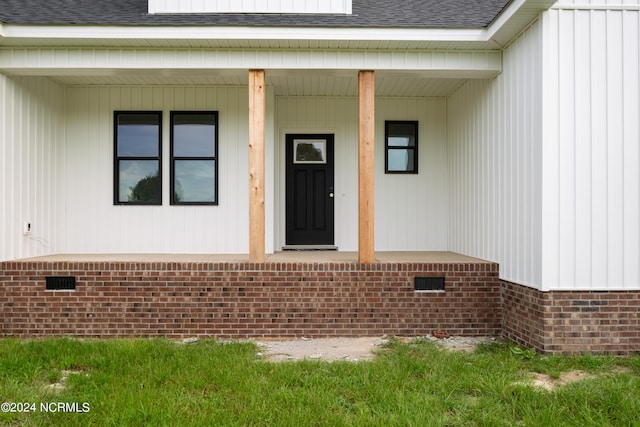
x,y
309,151
401,147
138,155
194,157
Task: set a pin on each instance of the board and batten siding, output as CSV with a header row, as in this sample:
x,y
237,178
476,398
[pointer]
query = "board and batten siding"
x,y
250,6
597,4
545,158
494,152
91,221
592,145
31,129
411,211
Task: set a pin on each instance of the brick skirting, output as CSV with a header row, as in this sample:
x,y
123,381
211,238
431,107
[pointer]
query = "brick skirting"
x,y
572,321
239,300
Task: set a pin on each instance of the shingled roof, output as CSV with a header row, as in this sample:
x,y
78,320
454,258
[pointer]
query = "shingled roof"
x,y
366,13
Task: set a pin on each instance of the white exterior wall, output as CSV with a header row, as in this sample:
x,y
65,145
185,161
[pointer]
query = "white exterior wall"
x,y
546,157
411,211
494,151
91,221
31,129
338,116
591,146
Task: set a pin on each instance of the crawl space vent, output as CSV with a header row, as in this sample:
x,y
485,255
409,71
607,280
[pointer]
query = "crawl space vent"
x,y
60,283
428,284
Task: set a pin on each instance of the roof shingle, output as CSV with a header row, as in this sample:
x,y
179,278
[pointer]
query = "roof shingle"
x,y
366,13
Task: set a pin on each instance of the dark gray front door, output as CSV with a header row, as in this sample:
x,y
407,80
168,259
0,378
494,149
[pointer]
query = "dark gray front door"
x,y
310,194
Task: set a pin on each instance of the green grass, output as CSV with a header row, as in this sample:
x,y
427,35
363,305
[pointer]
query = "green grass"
x,y
160,383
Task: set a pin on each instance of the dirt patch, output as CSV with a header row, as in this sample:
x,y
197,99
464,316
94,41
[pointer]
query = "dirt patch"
x,y
545,382
350,349
59,386
329,349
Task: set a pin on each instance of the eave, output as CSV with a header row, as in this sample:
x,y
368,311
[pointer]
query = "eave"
x,y
509,23
299,60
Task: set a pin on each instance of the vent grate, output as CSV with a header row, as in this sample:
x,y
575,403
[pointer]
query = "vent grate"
x,y
428,284
60,283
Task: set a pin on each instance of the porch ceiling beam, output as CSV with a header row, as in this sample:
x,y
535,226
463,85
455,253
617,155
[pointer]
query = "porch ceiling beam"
x,y
256,166
366,148
82,61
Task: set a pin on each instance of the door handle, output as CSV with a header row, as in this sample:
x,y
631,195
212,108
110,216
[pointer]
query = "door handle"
x,y
331,195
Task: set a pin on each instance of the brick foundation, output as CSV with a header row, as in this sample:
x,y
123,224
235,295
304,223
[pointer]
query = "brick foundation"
x,y
239,300
572,321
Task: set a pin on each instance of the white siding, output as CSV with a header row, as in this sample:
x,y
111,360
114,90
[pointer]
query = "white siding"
x,y
322,115
494,134
250,6
411,210
94,225
546,159
591,147
591,4
30,165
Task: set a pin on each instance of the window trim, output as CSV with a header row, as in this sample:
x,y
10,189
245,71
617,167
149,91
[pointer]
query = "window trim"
x,y
173,159
387,147
118,159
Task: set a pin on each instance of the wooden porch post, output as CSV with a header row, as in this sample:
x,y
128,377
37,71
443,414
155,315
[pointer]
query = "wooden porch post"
x,y
256,166
366,145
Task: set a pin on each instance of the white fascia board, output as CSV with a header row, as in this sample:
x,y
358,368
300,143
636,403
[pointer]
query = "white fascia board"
x,y
508,24
116,33
506,15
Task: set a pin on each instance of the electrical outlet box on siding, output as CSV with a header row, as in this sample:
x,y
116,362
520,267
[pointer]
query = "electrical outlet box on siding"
x,y
250,6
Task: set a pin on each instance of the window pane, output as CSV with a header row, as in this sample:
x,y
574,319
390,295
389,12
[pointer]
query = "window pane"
x,y
194,135
401,160
138,135
309,151
194,181
402,134
139,181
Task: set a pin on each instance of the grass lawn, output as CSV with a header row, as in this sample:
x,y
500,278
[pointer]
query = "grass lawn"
x,y
158,382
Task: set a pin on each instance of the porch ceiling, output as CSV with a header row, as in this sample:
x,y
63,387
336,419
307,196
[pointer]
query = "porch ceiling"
x,y
288,84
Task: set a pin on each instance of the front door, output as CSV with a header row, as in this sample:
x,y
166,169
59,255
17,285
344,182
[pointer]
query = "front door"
x,y
310,195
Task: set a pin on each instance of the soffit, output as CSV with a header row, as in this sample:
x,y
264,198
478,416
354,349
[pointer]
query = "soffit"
x,y
287,83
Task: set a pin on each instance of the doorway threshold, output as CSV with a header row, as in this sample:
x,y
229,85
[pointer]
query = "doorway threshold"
x,y
309,248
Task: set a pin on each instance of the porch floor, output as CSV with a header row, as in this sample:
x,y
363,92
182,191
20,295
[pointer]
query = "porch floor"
x,y
440,257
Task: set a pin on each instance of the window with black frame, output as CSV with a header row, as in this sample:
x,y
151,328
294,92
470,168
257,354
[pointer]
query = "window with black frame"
x,y
138,158
194,158
401,147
